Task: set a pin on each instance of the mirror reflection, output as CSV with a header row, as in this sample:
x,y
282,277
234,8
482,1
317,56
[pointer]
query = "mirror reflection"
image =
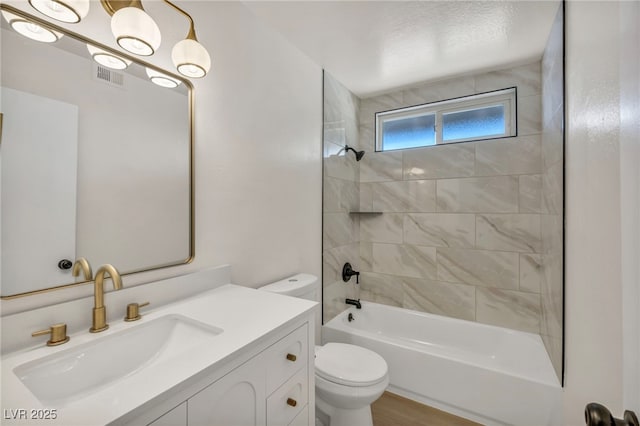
x,y
95,157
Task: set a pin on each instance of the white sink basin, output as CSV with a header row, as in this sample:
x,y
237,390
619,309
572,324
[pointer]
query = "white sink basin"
x,y
74,373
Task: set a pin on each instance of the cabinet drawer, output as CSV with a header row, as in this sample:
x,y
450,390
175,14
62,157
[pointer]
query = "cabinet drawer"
x,y
285,357
289,400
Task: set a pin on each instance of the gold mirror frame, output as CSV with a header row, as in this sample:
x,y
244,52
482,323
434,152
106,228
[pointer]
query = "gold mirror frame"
x,y
190,101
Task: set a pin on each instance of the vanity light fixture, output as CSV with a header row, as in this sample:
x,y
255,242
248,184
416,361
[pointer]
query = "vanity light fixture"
x,y
108,59
162,79
189,56
70,11
136,32
31,29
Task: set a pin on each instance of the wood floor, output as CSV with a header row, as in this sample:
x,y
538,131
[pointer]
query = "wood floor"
x,y
394,410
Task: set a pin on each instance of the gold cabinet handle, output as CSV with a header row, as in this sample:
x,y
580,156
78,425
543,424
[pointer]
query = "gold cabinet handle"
x,y
57,333
292,357
133,311
292,402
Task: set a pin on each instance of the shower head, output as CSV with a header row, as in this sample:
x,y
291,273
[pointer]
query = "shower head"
x,y
359,154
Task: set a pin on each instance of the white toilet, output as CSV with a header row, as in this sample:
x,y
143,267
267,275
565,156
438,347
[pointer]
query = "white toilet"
x,y
348,378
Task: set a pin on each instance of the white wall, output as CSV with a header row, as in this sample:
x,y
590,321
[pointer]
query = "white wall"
x,y
600,64
258,148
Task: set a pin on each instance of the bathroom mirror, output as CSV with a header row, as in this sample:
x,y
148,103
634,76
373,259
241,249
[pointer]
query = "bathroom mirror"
x,y
96,162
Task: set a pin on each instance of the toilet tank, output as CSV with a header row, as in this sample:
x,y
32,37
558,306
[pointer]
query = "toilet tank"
x,y
304,286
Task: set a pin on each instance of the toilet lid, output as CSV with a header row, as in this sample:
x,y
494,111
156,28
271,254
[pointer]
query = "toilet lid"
x,y
349,364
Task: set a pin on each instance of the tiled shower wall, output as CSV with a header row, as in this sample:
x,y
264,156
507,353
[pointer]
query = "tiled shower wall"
x,y
552,194
340,237
471,230
460,232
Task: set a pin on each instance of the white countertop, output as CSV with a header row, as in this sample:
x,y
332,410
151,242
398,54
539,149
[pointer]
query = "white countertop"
x,y
245,315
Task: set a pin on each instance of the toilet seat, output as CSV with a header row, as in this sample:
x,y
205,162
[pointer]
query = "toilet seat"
x,y
349,365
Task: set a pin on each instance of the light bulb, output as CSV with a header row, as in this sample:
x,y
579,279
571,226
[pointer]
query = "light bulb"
x,y
70,11
31,29
108,59
135,31
162,79
191,58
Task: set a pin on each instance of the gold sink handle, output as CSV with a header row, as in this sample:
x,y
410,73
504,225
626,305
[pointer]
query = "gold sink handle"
x,y
133,311
57,332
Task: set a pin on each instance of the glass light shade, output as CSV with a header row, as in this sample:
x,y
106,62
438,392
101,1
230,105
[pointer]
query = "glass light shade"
x,y
108,59
162,79
191,58
71,11
30,29
135,31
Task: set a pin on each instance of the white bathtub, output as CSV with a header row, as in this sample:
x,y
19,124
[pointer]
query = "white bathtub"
x,y
489,374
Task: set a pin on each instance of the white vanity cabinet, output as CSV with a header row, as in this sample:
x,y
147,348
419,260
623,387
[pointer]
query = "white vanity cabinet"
x,y
272,388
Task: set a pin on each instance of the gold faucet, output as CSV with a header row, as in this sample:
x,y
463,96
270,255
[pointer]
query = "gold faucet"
x,y
82,264
99,310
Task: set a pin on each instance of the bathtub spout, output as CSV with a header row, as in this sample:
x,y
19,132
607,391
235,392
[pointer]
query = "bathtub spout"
x,y
354,302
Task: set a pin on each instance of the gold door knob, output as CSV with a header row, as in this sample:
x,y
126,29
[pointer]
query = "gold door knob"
x,y
292,402
133,311
57,332
291,357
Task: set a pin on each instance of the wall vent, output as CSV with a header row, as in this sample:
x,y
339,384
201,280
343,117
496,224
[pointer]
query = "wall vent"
x,y
108,76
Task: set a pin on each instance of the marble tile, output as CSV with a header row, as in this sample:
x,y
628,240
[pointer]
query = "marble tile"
x,y
509,232
339,102
526,78
440,229
553,189
335,133
405,196
366,256
341,167
340,195
551,233
367,138
554,349
507,308
339,229
509,156
551,293
530,272
552,143
380,103
452,300
478,267
404,260
334,259
439,91
530,193
529,115
383,228
366,197
441,161
497,194
380,288
381,166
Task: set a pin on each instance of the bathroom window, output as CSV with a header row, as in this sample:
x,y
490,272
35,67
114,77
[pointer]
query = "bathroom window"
x,y
482,116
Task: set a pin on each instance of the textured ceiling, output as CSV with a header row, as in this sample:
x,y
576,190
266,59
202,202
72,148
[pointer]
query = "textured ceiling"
x,y
376,46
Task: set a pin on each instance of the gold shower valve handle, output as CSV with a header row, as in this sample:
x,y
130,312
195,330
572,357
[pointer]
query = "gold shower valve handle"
x,y
133,311
57,332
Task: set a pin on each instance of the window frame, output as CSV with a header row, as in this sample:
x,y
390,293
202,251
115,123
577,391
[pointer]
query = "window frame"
x,y
503,97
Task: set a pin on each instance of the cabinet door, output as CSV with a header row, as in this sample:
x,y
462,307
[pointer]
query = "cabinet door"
x,y
237,399
175,417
